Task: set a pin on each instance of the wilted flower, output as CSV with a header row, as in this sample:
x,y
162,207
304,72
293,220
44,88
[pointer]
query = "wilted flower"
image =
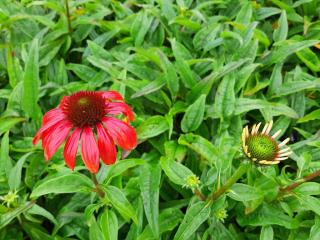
x,y
83,117
262,148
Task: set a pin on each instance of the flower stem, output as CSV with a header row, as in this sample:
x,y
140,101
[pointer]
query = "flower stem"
x,y
68,15
96,183
297,183
242,169
199,194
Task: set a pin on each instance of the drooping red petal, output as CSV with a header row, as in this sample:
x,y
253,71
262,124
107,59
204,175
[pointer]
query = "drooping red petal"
x,y
112,95
50,119
120,107
54,137
89,150
106,146
123,134
63,101
71,148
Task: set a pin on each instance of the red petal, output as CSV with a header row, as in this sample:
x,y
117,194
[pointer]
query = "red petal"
x,y
120,107
89,150
54,137
52,114
71,148
50,119
123,134
106,146
112,95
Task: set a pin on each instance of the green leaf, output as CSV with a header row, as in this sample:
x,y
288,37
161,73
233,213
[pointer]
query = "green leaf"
x,y
193,116
186,22
310,59
243,193
167,9
37,210
121,166
288,47
175,151
68,183
297,86
311,203
310,116
84,72
152,127
205,85
6,123
140,27
170,74
153,86
176,172
15,173
276,79
109,224
206,37
186,74
104,65
225,97
179,50
6,164
149,182
201,146
245,13
281,32
308,188
31,81
266,233
247,104
267,215
94,230
120,203
168,220
13,68
6,218
315,230
195,216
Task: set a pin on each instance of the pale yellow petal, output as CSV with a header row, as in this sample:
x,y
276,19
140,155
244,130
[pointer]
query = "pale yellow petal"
x,y
269,127
253,129
257,128
285,150
265,128
284,142
285,154
281,158
274,136
268,162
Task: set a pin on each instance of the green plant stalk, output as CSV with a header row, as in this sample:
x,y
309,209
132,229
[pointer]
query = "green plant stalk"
x,y
199,194
68,15
298,183
242,169
97,185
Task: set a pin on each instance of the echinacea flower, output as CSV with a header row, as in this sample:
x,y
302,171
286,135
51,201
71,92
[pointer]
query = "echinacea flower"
x,y
88,118
262,148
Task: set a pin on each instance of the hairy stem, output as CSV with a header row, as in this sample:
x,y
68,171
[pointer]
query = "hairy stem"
x,y
199,194
298,182
96,183
242,169
68,15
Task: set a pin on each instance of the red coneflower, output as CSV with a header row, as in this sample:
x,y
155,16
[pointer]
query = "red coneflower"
x,y
87,114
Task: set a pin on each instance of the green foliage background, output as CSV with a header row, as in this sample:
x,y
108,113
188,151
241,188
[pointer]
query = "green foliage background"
x,y
195,72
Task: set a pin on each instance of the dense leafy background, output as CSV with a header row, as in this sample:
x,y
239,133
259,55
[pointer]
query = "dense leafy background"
x,y
195,72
